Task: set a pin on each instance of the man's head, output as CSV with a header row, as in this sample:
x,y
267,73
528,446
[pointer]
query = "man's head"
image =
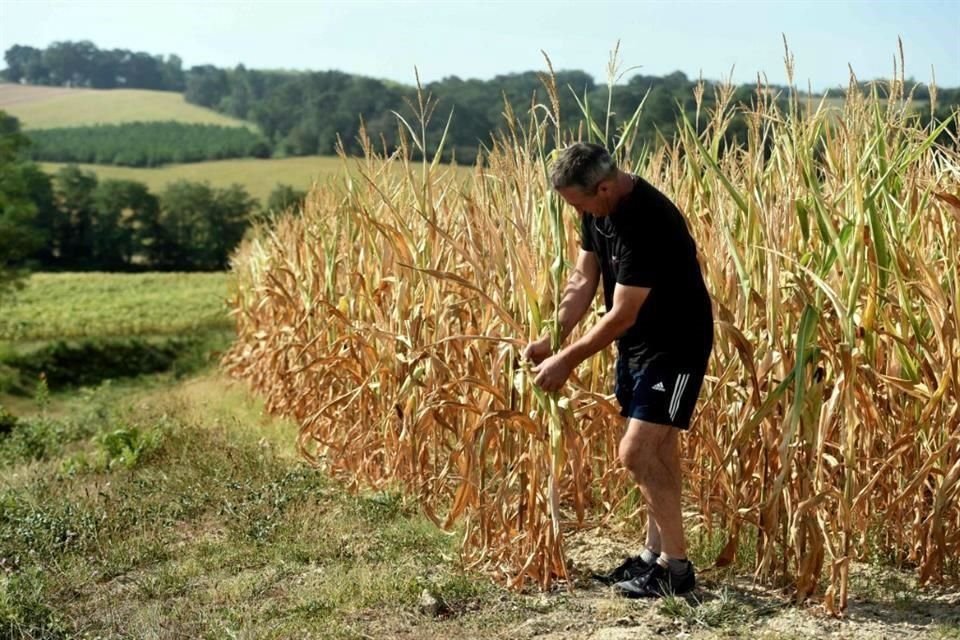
x,y
587,178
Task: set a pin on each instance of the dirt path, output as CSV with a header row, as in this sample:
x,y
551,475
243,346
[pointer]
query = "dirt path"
x,y
724,606
734,610
728,606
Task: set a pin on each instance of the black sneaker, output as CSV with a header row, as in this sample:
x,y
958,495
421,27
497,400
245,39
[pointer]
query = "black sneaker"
x,y
631,568
658,582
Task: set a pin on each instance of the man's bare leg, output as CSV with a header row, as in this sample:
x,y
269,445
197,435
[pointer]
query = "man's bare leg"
x,y
653,533
650,452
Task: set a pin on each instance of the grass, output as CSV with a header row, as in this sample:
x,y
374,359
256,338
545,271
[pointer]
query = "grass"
x,y
49,107
77,329
724,611
74,305
202,523
161,506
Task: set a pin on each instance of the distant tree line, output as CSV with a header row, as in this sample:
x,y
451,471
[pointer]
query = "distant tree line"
x,y
82,64
303,113
74,221
145,144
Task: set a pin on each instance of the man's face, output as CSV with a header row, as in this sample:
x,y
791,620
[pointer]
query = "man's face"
x,y
599,204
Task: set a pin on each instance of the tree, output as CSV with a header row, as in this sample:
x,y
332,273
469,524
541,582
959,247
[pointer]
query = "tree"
x,y
73,235
173,78
82,64
39,186
183,206
142,70
19,60
206,85
71,63
103,71
284,197
18,234
125,222
232,212
200,226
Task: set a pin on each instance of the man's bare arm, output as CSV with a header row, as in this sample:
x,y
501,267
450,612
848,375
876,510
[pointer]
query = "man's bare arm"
x,y
626,305
579,292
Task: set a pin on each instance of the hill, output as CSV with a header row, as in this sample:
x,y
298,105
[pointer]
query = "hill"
x,y
47,107
259,177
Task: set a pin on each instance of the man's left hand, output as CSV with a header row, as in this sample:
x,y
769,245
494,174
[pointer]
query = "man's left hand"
x,y
552,373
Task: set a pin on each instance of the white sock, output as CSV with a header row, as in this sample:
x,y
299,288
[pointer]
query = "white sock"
x,y
648,556
676,565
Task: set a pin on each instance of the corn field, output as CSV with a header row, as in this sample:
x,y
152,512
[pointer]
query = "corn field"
x,y
387,318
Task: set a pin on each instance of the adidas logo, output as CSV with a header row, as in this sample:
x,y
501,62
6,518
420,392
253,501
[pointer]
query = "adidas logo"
x,y
659,387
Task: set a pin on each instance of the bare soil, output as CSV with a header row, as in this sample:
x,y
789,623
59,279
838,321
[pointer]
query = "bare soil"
x,y
723,606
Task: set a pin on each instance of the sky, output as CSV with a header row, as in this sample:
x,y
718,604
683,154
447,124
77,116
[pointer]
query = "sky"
x,y
475,39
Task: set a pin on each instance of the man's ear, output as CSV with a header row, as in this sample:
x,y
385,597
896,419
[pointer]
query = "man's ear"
x,y
605,186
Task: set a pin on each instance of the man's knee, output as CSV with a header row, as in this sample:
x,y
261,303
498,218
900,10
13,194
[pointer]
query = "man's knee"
x,y
644,445
631,457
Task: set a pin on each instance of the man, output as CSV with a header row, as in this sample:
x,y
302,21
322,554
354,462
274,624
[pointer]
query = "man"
x,y
659,312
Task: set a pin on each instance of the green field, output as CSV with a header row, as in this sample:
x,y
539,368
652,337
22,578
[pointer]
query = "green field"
x,y
74,305
48,107
258,176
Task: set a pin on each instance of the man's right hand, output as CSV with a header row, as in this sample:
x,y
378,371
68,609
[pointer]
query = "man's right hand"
x,y
539,350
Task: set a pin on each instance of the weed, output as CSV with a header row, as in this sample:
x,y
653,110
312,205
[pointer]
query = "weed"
x,y
720,612
126,446
23,613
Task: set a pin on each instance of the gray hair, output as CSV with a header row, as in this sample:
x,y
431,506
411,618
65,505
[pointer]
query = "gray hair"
x,y
583,165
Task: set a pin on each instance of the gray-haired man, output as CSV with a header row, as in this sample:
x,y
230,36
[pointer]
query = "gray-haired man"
x,y
658,311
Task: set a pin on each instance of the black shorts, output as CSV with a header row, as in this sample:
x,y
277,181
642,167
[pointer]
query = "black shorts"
x,y
659,387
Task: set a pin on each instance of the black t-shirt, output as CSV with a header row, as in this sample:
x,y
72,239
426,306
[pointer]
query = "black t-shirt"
x,y
645,243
